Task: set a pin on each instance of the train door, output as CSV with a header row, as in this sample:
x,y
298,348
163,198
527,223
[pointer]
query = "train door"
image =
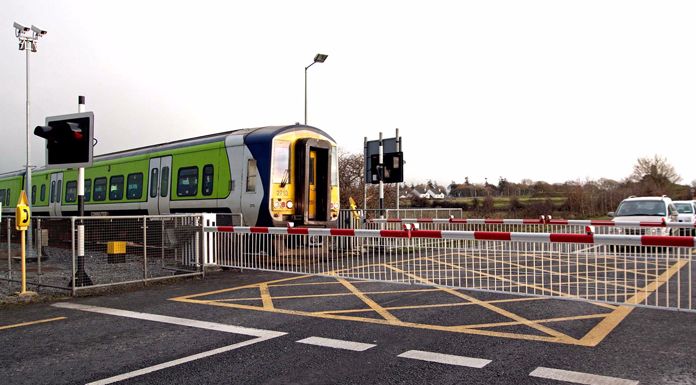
x,y
252,190
56,193
159,189
312,176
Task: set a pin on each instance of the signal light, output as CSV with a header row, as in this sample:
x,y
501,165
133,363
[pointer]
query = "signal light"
x,y
68,139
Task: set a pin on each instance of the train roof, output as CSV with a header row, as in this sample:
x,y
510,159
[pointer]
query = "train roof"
x,y
257,134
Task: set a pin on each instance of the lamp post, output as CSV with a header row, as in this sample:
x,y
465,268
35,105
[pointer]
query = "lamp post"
x,y
28,36
319,58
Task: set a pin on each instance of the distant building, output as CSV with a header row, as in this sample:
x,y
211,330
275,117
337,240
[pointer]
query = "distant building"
x,y
427,194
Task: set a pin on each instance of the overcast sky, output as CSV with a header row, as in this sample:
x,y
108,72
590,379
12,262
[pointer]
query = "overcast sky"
x,y
546,90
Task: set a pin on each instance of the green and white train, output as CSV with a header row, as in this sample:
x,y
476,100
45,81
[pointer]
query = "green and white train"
x,y
271,175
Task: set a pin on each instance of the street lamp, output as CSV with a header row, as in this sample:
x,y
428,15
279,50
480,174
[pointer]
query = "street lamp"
x,y
320,58
28,37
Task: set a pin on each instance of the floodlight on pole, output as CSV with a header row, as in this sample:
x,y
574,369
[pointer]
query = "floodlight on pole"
x,y
319,58
27,42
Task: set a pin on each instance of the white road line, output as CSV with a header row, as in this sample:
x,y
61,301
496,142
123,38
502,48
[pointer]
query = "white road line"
x,y
262,335
179,361
336,344
172,320
445,358
579,377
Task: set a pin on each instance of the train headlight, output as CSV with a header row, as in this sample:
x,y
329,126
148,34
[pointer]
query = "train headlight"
x,y
289,204
334,206
276,205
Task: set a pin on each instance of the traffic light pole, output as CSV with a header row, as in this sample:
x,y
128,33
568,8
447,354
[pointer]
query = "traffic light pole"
x,y
380,173
81,277
398,149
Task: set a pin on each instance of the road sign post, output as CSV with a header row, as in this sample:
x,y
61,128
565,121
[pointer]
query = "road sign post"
x,y
384,162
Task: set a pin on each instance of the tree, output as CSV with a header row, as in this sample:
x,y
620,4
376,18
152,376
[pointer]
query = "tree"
x,y
655,169
351,177
654,175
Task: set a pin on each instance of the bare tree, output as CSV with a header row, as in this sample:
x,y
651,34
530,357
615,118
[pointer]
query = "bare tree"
x,y
655,169
351,177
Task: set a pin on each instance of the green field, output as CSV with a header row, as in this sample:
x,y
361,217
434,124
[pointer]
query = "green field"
x,y
503,203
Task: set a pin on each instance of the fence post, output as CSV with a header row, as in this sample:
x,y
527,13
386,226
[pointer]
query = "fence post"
x,y
9,257
72,232
199,224
145,249
38,239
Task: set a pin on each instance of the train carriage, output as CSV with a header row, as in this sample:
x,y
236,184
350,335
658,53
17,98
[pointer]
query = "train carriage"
x,y
271,175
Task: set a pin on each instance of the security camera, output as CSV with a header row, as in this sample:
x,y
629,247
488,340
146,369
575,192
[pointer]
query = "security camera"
x,y
38,30
20,27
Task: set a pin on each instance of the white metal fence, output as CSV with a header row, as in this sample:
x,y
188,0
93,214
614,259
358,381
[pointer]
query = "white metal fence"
x,y
542,224
653,271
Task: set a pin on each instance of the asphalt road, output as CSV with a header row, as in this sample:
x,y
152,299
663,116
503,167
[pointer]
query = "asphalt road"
x,y
497,339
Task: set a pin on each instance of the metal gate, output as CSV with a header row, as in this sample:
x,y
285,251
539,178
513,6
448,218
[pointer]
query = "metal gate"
x,y
654,271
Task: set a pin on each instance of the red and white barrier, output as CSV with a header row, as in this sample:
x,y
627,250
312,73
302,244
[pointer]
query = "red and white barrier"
x,y
595,239
541,221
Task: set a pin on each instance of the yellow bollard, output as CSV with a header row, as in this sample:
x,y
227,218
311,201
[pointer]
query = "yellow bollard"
x,y
22,222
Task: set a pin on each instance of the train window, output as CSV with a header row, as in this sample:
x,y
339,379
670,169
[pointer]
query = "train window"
x,y
53,191
281,162
8,194
164,187
187,182
99,189
116,188
59,191
251,176
71,191
153,182
334,166
2,196
208,179
88,189
43,193
33,194
134,189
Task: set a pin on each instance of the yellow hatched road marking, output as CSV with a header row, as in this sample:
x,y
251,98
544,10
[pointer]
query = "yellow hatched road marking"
x,y
265,296
31,323
528,285
328,294
548,320
428,306
597,334
496,309
592,338
490,333
368,301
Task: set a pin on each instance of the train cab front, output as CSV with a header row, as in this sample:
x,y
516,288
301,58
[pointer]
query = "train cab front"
x,y
304,180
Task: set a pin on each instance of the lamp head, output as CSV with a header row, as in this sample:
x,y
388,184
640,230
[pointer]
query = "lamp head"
x,y
320,58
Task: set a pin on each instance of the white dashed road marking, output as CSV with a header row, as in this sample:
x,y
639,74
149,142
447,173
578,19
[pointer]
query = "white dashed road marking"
x,y
262,335
336,344
579,377
445,358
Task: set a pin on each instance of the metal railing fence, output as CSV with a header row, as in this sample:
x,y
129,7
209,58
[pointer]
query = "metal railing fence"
x,y
559,226
652,271
129,249
48,262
